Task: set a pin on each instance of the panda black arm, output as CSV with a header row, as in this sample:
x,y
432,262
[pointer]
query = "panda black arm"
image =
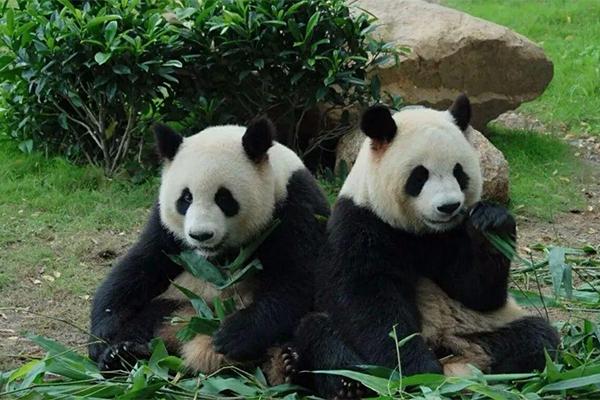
x,y
368,288
478,273
120,310
285,292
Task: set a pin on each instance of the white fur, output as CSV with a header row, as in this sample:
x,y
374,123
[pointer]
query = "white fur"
x,y
425,137
212,159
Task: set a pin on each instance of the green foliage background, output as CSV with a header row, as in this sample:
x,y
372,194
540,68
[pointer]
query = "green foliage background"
x,y
86,78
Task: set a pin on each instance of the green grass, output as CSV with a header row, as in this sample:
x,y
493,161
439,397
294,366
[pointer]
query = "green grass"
x,y
49,206
545,176
568,30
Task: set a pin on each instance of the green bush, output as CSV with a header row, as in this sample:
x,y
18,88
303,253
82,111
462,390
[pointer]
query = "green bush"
x,y
86,78
276,57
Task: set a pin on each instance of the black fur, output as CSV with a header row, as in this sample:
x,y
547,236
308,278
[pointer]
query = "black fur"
x,y
226,202
416,181
258,139
368,272
378,124
461,177
461,111
519,346
168,141
125,308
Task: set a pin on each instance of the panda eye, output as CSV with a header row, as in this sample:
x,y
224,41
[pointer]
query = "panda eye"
x,y
226,202
416,181
184,201
461,177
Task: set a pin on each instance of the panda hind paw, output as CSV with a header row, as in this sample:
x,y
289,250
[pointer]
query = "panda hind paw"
x,y
289,360
350,390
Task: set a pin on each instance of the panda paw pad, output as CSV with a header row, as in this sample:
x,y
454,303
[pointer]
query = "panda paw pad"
x,y
289,359
350,390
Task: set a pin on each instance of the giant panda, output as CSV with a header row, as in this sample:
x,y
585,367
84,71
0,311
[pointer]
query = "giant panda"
x,y
219,190
407,250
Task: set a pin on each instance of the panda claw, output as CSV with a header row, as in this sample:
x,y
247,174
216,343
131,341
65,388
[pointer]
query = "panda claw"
x,y
350,390
289,357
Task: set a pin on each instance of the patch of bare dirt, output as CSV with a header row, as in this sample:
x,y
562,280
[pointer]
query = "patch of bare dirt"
x,y
41,302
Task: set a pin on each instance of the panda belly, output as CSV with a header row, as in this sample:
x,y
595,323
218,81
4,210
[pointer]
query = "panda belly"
x,y
446,324
198,353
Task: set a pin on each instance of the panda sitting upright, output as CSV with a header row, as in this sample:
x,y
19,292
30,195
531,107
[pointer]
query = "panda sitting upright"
x,y
407,247
220,189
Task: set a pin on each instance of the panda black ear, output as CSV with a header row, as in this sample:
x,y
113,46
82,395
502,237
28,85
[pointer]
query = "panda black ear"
x,y
167,141
461,111
378,124
258,138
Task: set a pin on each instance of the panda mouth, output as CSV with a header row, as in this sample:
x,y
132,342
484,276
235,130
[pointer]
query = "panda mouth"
x,y
443,222
212,250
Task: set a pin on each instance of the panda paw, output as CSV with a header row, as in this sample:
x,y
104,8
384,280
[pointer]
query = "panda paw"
x,y
122,356
236,339
350,390
491,218
289,360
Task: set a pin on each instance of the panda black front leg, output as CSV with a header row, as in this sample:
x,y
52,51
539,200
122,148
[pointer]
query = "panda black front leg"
x,y
237,340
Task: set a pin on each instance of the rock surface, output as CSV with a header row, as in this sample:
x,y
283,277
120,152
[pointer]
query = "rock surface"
x,y
493,164
453,52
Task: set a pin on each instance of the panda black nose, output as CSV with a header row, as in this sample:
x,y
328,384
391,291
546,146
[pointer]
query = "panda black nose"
x,y
448,208
202,236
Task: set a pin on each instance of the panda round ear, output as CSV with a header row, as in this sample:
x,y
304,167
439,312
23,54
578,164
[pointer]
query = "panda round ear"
x,y
461,111
258,138
378,124
167,141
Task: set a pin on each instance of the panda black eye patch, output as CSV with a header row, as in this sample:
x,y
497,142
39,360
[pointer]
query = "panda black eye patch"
x,y
183,202
416,180
226,202
461,177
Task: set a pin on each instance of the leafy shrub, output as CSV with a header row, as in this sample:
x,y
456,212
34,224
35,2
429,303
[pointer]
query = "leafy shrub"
x,y
87,80
282,58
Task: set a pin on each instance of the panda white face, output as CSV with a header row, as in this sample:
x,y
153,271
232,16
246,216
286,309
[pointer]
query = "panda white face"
x,y
418,172
218,188
443,179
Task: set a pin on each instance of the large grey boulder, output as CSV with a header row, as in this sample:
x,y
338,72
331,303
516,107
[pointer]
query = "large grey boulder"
x,y
493,164
452,52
